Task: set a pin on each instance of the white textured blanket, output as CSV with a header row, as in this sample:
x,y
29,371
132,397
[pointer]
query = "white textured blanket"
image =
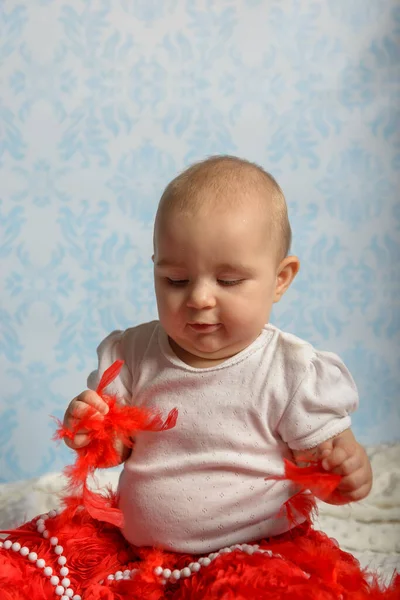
x,y
369,529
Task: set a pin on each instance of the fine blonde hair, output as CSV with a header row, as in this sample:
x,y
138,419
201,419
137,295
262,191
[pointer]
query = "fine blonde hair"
x,y
211,184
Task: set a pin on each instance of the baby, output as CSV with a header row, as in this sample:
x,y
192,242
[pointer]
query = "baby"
x,y
248,395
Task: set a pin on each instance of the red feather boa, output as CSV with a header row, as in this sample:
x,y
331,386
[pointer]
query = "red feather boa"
x,y
120,423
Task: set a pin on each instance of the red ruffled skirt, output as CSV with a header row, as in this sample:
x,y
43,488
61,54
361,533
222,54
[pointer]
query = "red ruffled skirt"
x,y
57,556
80,553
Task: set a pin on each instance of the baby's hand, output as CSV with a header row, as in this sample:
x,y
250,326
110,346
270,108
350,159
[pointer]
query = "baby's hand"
x,y
344,456
75,411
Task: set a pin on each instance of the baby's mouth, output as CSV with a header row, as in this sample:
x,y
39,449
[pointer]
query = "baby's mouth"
x,y
204,327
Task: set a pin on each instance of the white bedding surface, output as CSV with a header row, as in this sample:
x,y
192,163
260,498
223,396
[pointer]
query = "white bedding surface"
x,y
369,529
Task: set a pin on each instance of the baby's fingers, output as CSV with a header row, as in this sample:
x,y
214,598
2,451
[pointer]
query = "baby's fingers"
x,y
92,399
335,460
79,406
80,440
354,487
77,410
350,464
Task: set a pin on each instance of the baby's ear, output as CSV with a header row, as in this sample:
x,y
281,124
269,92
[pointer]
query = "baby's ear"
x,y
286,272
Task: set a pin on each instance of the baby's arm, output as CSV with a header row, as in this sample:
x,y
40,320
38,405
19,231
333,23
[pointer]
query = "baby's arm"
x,y
344,456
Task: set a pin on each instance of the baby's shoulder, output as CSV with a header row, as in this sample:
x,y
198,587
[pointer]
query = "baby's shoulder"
x,y
297,357
139,337
141,331
290,348
130,342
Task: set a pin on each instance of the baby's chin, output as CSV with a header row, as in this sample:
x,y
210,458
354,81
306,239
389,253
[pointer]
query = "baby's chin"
x,y
192,354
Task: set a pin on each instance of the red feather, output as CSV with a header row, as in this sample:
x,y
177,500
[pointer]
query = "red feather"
x,y
312,478
299,507
312,481
109,375
102,508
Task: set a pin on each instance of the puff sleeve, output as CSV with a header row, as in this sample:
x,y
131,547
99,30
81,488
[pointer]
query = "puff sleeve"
x,y
112,348
321,405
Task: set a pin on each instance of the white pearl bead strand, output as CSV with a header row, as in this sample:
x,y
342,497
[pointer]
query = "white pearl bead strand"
x,y
194,567
62,589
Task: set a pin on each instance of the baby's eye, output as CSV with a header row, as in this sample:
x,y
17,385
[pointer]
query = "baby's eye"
x,y
177,282
228,282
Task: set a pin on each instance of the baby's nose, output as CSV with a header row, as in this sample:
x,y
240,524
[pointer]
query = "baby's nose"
x,y
201,296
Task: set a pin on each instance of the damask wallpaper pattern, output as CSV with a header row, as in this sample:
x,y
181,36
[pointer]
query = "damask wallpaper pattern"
x,y
102,102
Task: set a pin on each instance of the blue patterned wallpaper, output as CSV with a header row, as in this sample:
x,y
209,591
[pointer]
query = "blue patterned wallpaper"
x,y
102,102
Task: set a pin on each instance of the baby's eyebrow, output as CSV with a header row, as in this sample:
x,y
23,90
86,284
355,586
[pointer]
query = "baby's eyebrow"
x,y
167,263
233,267
238,267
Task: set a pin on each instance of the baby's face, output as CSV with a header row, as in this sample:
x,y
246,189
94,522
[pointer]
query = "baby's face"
x,y
215,281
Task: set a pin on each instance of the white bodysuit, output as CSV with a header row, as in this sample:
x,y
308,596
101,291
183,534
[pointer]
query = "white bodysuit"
x,y
202,485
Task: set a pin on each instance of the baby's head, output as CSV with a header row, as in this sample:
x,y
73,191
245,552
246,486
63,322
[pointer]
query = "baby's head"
x,y
219,184
221,243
